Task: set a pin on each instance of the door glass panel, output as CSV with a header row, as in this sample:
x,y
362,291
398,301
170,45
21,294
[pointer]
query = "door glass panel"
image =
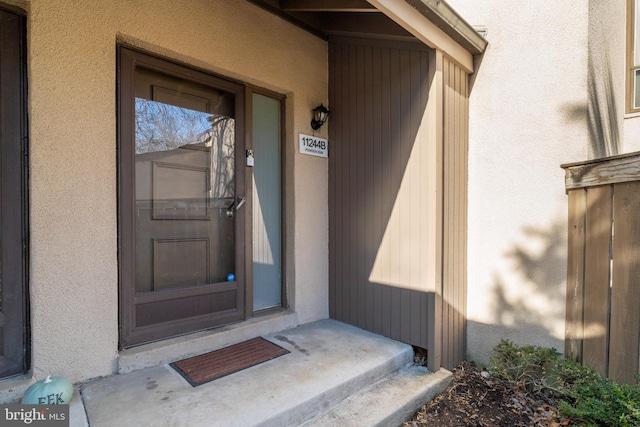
x,y
267,262
184,183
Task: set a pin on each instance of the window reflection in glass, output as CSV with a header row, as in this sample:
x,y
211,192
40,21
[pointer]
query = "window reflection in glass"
x,y
184,186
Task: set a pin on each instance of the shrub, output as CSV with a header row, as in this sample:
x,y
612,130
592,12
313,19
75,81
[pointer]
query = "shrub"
x,y
585,397
531,368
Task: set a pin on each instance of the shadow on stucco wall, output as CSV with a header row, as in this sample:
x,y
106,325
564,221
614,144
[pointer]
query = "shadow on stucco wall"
x,y
527,302
601,110
604,131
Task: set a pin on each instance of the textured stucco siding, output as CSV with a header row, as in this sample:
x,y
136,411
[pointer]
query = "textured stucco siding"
x,y
611,131
528,109
612,13
72,127
606,72
631,129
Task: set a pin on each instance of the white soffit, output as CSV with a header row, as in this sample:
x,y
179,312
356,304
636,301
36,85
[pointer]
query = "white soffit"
x,y
413,16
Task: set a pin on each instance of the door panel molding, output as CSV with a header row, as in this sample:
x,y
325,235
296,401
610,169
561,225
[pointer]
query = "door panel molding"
x,y
198,268
162,211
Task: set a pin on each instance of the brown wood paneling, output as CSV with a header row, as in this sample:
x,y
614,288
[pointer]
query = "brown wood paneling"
x,y
625,313
432,199
334,267
455,213
575,275
369,177
596,286
361,185
386,195
465,220
449,208
377,181
385,238
378,99
416,63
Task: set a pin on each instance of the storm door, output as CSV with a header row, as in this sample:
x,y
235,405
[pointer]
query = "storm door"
x,y
181,189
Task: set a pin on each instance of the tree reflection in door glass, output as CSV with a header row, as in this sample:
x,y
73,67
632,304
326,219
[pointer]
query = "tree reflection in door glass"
x,y
184,187
161,127
164,127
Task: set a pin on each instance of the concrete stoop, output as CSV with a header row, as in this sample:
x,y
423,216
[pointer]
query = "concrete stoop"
x,y
334,375
389,402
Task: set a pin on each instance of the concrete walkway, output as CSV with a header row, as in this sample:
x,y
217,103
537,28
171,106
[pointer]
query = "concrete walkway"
x,y
335,372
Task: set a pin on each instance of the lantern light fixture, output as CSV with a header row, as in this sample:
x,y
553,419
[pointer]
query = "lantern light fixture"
x,y
320,116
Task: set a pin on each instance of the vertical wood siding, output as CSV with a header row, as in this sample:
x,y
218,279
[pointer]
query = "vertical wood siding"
x,y
454,289
380,209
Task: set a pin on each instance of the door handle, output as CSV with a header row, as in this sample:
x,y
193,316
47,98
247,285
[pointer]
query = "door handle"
x,y
235,206
241,201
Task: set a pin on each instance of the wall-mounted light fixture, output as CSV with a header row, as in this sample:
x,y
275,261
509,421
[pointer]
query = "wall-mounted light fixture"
x,y
320,115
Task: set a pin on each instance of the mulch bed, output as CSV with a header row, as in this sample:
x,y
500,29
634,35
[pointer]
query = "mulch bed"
x,y
477,399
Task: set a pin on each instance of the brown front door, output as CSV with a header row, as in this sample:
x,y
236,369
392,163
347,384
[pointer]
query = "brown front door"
x,y
181,193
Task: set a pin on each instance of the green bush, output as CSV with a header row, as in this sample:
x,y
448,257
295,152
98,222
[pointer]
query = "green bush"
x,y
585,397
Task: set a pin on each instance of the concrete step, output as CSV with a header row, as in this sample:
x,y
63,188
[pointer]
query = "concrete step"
x,y
389,402
328,362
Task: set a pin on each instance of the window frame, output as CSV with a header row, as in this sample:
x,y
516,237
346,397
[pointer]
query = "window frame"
x,y
631,67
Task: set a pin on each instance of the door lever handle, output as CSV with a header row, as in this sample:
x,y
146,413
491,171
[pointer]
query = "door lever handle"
x,y
241,201
235,206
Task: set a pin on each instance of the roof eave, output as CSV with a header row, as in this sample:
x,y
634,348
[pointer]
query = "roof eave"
x,y
451,23
438,26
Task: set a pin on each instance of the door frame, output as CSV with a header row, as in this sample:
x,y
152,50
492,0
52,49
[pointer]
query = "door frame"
x,y
130,334
14,195
250,91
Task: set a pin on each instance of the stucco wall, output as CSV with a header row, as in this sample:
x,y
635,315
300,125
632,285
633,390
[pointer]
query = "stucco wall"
x,y
615,15
631,134
528,108
606,72
611,130
73,230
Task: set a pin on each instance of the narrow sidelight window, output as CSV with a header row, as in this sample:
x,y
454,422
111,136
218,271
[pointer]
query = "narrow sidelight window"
x,y
267,201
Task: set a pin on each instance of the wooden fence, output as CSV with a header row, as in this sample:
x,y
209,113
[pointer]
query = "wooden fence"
x,y
603,265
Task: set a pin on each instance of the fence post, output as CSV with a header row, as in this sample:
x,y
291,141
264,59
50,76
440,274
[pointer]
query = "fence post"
x,y
575,276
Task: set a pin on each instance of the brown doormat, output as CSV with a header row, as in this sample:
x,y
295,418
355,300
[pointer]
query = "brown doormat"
x,y
207,367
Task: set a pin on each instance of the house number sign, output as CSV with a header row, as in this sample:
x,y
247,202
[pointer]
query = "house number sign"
x,y
313,146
